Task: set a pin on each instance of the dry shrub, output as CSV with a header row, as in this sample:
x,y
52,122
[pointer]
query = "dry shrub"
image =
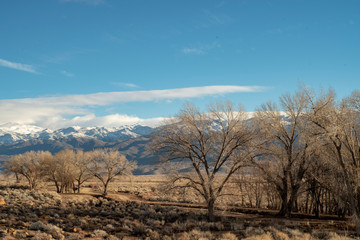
x,y
55,231
334,236
100,233
195,235
264,236
41,236
228,236
112,237
252,231
278,235
152,235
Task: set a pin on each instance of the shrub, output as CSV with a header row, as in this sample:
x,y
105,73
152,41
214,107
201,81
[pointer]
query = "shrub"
x,y
228,236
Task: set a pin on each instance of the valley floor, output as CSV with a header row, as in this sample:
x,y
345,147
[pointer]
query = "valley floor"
x,y
44,214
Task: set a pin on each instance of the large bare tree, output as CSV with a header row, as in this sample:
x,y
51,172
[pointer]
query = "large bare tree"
x,y
61,170
216,144
81,173
106,164
29,165
338,129
287,148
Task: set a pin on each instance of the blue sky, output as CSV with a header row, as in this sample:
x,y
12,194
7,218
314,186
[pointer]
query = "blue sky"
x,y
109,62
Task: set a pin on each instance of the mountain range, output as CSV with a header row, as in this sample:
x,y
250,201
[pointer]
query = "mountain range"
x,y
131,140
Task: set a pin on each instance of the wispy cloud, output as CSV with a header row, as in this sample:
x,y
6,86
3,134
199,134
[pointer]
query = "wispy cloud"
x,y
66,56
89,2
17,66
209,19
200,49
221,4
126,85
66,73
54,111
112,120
131,85
197,51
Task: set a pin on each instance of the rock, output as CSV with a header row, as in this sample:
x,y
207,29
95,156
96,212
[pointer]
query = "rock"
x,y
100,233
42,236
37,226
2,201
8,238
21,234
11,231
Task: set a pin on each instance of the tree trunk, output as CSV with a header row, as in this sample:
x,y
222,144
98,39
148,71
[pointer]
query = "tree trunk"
x,y
17,178
356,220
105,188
284,204
292,204
211,210
32,183
57,187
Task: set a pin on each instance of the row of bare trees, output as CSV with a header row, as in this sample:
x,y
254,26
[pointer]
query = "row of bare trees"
x,y
69,169
308,145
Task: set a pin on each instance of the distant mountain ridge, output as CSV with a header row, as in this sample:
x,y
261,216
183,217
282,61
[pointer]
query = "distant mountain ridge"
x,y
12,133
131,140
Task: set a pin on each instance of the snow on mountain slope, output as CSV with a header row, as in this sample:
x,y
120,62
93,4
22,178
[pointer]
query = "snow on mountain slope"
x,y
10,133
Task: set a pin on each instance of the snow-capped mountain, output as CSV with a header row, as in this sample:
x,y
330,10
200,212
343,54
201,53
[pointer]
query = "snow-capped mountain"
x,y
12,133
131,140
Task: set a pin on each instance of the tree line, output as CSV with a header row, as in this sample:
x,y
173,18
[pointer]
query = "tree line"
x,y
69,169
307,143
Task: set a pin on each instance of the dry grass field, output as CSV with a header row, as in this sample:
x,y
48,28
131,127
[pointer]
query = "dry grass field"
x,y
137,208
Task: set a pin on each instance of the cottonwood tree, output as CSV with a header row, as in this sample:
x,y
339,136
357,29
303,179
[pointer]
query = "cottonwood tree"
x,y
29,165
61,170
216,144
338,129
81,173
106,164
287,148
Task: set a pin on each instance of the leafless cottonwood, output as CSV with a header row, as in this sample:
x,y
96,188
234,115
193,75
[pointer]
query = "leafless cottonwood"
x,y
106,164
287,148
338,128
29,165
216,144
61,170
251,187
67,170
81,173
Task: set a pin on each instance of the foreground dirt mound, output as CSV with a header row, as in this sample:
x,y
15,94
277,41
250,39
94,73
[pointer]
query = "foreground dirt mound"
x,y
43,215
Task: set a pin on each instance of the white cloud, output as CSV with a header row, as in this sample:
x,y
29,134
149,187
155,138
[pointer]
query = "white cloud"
x,y
90,2
197,51
66,73
127,85
200,49
131,85
210,19
112,120
55,111
17,66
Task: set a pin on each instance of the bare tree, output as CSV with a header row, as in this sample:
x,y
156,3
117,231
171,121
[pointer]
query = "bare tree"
x,y
61,170
251,186
338,128
287,149
29,165
215,144
81,172
106,164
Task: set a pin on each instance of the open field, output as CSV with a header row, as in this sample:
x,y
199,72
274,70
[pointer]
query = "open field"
x,y
136,209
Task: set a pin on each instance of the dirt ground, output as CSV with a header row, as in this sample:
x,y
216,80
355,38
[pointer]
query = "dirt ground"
x,y
142,217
